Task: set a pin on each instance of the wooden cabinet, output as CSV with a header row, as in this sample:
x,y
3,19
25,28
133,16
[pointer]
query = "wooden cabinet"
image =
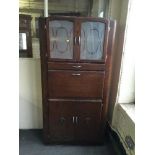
x,y
76,72
25,40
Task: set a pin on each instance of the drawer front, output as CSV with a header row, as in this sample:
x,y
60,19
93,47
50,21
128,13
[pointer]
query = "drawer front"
x,y
75,66
75,84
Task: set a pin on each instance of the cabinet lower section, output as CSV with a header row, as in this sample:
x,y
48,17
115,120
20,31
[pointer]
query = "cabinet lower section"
x,y
77,121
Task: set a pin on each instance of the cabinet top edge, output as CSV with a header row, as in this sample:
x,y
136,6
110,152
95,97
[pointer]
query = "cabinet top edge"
x,y
76,17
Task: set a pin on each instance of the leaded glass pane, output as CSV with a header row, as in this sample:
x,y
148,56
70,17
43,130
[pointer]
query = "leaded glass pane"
x,y
92,37
61,39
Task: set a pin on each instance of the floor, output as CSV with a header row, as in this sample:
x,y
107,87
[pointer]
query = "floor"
x,y
30,143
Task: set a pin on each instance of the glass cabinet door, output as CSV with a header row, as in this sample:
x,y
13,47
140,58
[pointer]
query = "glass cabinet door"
x,y
61,39
92,40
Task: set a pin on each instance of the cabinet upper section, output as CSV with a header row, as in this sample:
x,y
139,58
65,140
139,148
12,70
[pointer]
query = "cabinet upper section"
x,y
77,39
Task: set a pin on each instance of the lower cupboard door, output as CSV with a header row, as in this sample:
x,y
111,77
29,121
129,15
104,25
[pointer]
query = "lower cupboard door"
x,y
61,121
88,122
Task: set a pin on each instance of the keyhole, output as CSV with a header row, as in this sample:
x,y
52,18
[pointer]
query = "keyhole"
x,y
62,120
87,120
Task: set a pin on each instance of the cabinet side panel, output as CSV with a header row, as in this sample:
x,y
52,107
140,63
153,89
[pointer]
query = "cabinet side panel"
x,y
108,69
43,53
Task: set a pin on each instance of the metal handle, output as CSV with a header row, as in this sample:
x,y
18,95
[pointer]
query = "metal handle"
x,y
74,40
79,40
67,40
76,120
77,66
76,74
73,119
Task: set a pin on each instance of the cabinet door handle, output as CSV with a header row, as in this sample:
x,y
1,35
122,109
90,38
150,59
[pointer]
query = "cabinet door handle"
x,y
77,66
74,40
79,40
76,74
76,120
73,119
67,40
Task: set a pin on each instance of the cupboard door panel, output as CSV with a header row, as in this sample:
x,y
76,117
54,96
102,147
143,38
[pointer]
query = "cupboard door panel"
x,y
61,121
75,84
88,122
92,40
61,39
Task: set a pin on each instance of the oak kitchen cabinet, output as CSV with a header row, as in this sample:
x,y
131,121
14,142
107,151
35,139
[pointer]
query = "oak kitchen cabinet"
x,y
76,56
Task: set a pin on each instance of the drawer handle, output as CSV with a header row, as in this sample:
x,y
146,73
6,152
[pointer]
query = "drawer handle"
x,y
77,66
76,74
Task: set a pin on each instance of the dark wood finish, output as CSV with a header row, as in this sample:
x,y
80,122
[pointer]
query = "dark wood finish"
x,y
43,53
61,124
75,92
88,122
74,121
75,66
108,77
66,14
76,100
24,21
25,27
75,84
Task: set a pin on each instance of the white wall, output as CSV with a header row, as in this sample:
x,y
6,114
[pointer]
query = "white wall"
x,y
126,92
30,96
117,11
122,122
126,87
127,81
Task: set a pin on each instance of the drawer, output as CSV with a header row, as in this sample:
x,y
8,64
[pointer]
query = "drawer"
x,y
75,66
75,84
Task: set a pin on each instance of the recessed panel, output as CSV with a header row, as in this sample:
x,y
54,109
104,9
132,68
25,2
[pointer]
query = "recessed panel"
x,y
75,84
